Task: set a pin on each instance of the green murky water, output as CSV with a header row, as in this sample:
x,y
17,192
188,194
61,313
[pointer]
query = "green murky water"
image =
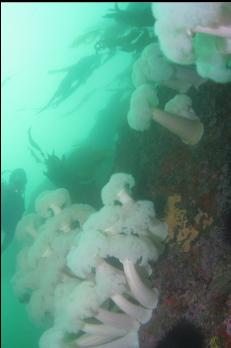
x,y
68,74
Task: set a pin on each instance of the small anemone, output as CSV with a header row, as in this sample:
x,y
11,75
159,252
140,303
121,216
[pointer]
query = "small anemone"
x,y
183,334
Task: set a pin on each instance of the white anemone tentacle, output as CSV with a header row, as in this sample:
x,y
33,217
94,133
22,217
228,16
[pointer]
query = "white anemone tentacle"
x,y
146,296
119,320
139,313
124,197
131,340
104,330
88,340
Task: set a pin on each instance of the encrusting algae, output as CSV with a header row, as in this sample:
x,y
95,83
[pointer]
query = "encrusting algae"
x,y
179,228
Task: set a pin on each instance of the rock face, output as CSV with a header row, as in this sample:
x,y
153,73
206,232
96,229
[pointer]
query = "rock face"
x,y
191,188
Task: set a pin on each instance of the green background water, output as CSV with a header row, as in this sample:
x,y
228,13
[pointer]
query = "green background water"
x,y
36,37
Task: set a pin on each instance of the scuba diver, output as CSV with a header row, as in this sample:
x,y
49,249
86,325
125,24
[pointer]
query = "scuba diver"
x,y
76,75
12,205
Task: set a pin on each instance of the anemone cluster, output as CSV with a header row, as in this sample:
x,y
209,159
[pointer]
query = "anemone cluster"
x,y
84,274
46,238
178,116
153,67
151,71
196,33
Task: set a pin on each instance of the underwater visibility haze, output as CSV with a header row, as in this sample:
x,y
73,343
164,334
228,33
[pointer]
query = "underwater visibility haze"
x,y
115,175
